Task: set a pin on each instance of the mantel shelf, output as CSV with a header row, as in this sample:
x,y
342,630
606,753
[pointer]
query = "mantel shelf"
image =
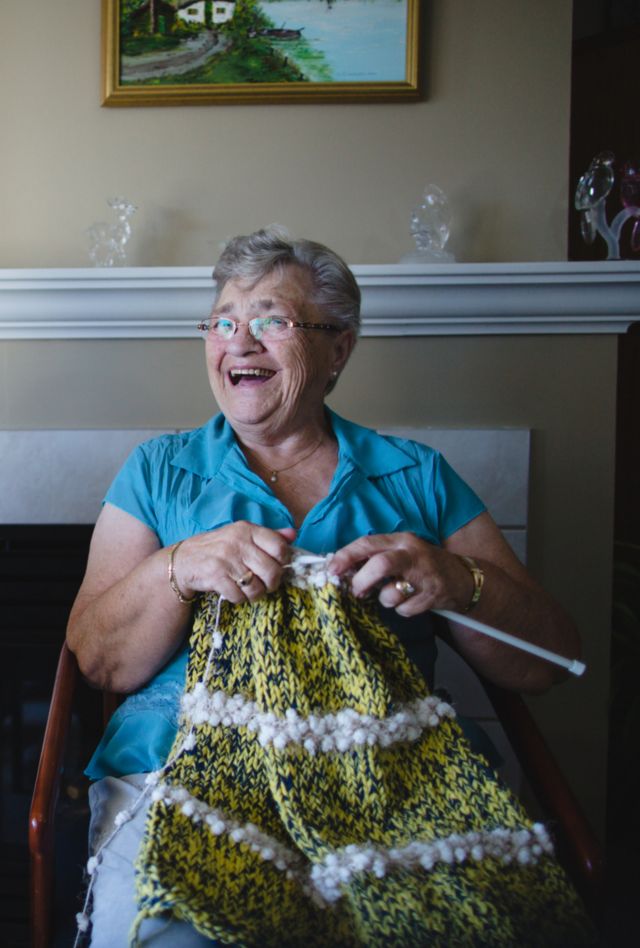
x,y
397,300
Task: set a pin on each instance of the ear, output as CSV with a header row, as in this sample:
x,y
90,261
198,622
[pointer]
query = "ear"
x,y
342,349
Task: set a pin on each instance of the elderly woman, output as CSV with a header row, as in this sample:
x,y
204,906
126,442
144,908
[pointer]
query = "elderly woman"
x,y
220,509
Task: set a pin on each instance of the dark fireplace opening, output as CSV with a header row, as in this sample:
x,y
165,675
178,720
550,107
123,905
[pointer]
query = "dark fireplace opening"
x,y
41,568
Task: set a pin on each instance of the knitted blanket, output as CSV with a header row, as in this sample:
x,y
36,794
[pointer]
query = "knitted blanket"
x,y
318,795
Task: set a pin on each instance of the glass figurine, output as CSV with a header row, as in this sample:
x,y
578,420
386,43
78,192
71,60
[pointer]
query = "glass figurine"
x,y
591,195
430,227
108,242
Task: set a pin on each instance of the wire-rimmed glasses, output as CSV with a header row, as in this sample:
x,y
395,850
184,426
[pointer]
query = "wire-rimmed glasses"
x,y
268,327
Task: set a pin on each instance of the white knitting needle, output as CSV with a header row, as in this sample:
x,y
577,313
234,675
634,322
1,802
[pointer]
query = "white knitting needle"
x,y
572,665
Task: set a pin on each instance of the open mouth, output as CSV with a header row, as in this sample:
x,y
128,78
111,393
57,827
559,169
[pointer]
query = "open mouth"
x,y
250,376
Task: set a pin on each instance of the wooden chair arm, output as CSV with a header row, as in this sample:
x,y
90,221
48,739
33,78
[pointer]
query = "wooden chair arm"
x,y
45,797
578,848
111,701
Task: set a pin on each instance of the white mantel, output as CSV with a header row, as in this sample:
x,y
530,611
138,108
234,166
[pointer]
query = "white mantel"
x,y
398,300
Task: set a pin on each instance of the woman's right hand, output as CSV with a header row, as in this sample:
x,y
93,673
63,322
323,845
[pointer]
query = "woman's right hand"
x,y
127,621
241,561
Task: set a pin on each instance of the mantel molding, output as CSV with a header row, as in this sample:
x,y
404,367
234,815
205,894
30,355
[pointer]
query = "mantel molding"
x,y
398,300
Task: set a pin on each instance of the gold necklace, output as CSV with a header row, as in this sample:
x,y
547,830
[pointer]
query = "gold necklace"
x,y
273,476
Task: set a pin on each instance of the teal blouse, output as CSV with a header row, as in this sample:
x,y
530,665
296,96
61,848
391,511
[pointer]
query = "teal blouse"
x,y
183,484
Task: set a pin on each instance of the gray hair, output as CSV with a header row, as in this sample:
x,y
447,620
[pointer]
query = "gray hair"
x,y
253,257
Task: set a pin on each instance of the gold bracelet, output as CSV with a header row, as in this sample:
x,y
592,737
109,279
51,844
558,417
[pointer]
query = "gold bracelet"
x,y
172,577
478,579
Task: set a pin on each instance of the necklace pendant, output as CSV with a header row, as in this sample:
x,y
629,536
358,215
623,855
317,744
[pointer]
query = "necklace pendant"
x,y
274,477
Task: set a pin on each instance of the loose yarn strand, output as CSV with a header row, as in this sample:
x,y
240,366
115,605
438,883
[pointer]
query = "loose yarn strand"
x,y
83,918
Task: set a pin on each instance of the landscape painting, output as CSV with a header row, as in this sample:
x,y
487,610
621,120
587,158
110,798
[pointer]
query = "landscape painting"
x,y
163,52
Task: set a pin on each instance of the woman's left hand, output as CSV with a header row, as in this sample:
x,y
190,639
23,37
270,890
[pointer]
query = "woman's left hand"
x,y
438,579
409,574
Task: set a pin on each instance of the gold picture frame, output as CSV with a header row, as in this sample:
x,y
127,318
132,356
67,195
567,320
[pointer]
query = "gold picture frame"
x,y
210,52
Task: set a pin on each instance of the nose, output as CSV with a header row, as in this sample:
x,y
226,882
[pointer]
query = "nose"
x,y
243,340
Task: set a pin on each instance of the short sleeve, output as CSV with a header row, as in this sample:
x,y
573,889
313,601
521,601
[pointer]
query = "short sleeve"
x,y
131,489
457,504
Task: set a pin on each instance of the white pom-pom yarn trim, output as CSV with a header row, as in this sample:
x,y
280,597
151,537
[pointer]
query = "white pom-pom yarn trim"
x,y
521,846
219,823
308,571
341,731
324,881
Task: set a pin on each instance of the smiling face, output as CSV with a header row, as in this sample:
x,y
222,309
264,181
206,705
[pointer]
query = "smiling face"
x,y
270,389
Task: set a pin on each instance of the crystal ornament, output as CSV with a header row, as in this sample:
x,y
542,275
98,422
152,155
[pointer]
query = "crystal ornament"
x,y
630,197
108,242
430,228
587,227
594,187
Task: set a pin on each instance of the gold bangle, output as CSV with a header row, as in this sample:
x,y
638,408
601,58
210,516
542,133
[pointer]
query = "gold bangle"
x,y
172,577
478,579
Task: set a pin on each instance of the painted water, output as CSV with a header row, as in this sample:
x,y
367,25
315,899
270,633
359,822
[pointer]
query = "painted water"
x,y
347,41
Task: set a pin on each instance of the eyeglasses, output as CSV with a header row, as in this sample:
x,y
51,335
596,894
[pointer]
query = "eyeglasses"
x,y
269,327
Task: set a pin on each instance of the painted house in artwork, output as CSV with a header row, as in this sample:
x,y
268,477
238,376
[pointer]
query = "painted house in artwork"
x,y
148,18
221,11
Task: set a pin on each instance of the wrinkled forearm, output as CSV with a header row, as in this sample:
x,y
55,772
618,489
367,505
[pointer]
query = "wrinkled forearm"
x,y
526,611
123,636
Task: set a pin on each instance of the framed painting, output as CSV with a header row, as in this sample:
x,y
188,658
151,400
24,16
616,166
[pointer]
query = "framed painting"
x,y
170,52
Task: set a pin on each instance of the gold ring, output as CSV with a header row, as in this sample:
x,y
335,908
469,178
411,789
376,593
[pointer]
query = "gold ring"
x,y
406,588
245,579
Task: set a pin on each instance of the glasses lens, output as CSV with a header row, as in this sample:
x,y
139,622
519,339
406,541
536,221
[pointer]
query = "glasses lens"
x,y
224,328
270,326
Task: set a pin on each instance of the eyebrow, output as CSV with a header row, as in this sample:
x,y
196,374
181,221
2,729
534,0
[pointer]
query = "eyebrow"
x,y
264,304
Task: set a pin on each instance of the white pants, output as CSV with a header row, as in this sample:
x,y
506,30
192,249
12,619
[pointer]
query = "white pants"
x,y
114,905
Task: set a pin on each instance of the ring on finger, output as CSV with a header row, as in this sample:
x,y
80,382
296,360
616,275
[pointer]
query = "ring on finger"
x,y
245,579
405,587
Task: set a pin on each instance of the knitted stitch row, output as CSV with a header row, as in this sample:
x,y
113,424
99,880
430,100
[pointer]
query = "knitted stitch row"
x,y
324,881
282,841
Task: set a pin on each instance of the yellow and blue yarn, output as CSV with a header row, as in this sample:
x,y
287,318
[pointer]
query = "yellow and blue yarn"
x,y
246,830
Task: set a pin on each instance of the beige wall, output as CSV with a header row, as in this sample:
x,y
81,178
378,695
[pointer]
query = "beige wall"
x,y
493,132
